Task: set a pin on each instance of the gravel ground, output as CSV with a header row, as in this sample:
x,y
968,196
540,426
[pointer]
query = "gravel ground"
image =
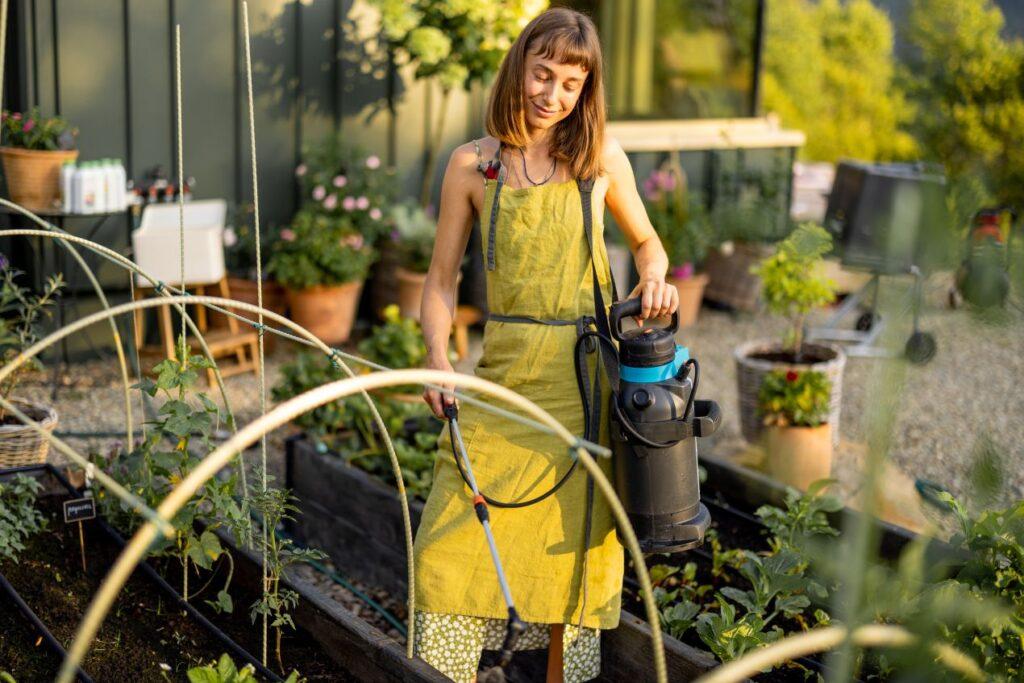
x,y
943,412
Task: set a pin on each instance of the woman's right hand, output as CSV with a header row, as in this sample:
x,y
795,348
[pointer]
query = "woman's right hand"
x,y
434,398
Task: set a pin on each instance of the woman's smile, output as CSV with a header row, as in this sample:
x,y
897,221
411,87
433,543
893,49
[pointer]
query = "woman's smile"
x,y
543,112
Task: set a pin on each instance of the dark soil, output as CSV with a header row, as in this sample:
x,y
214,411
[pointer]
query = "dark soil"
x,y
809,354
299,651
19,653
139,634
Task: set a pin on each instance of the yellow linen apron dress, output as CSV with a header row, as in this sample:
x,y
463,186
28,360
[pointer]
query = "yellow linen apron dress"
x,y
538,267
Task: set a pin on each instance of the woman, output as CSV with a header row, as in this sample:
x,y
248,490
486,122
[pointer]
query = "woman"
x,y
546,124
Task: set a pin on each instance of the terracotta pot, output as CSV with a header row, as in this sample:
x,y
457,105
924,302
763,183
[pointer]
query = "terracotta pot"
x,y
410,291
798,456
244,290
756,359
326,311
691,293
33,175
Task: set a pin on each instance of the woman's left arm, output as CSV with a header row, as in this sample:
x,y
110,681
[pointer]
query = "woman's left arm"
x,y
623,200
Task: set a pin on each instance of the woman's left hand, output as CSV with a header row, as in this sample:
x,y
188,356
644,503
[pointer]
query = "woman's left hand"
x,y
658,299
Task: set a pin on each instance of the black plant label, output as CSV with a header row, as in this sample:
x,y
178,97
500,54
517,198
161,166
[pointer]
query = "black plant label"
x,y
79,509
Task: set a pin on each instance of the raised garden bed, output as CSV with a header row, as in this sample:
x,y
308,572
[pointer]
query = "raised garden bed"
x,y
356,519
328,643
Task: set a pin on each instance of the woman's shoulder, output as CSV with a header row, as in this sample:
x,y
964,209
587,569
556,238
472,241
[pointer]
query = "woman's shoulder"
x,y
612,154
472,152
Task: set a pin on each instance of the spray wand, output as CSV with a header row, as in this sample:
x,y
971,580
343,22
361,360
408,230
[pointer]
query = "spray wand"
x,y
514,627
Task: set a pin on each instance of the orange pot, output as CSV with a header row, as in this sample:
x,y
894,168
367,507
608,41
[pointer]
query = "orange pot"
x,y
691,294
326,311
410,291
244,290
799,456
33,175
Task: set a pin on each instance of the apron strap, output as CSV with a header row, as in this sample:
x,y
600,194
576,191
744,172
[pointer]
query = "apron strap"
x,y
492,230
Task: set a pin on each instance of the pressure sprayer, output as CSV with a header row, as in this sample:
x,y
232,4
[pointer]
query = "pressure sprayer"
x,y
655,423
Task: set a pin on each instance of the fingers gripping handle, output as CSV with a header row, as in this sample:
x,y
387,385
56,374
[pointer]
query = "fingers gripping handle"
x,y
630,308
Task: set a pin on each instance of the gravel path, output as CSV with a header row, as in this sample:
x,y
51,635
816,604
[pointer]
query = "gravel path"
x,y
945,412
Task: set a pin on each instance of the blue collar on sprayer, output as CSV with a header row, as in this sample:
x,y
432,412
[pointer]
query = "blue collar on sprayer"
x,y
658,373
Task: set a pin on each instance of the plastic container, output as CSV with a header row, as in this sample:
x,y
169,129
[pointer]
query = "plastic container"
x,y
156,242
67,177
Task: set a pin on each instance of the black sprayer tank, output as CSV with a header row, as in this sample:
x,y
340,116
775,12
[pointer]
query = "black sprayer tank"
x,y
655,423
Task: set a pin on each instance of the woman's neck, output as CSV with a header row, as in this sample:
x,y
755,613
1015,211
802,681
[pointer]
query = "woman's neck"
x,y
539,141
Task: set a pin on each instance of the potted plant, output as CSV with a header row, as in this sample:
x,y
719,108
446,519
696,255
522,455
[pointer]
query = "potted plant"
x,y
793,406
322,261
20,314
792,286
33,149
683,228
413,237
340,180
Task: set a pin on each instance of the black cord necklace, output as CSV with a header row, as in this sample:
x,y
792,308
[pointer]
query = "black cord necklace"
x,y
554,162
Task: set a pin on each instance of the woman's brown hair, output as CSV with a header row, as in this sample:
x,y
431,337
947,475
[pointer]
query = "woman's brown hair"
x,y
571,38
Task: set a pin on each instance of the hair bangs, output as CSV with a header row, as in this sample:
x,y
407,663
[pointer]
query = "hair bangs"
x,y
566,46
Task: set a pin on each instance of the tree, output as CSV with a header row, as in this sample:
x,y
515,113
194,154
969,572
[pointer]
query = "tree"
x,y
968,85
830,71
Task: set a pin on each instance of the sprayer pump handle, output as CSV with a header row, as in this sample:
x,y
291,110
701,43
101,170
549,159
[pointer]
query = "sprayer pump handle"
x,y
632,308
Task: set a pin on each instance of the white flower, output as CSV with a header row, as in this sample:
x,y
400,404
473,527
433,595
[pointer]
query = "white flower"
x,y
375,214
230,237
373,162
300,170
727,248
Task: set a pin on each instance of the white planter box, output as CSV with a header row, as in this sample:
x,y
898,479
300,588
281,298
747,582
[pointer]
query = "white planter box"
x,y
156,243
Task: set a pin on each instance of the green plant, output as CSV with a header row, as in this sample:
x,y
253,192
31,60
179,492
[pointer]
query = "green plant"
x,y
226,671
273,507
398,343
240,241
20,316
459,43
830,71
29,130
679,219
165,457
728,637
307,371
788,398
805,516
792,283
993,551
320,249
19,517
413,236
342,181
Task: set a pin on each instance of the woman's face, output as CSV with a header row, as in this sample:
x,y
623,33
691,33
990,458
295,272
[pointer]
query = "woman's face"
x,y
552,90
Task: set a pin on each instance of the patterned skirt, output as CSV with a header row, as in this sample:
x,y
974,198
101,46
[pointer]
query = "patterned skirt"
x,y
453,643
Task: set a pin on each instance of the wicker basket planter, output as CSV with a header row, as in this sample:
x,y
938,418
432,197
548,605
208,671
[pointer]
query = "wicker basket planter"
x,y
730,282
22,445
33,175
755,359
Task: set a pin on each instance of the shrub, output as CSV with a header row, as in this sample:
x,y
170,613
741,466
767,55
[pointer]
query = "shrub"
x,y
29,130
792,283
788,398
413,236
19,517
679,219
398,343
319,249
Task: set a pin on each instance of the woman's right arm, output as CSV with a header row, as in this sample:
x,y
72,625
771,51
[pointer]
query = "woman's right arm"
x,y
454,223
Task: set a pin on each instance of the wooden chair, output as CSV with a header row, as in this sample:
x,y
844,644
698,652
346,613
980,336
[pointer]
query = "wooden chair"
x,y
233,341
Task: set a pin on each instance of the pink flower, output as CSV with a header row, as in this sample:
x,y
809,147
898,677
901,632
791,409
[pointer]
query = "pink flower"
x,y
348,203
16,116
362,203
683,272
340,181
375,214
373,161
665,180
331,201
319,192
300,170
354,241
288,235
29,125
